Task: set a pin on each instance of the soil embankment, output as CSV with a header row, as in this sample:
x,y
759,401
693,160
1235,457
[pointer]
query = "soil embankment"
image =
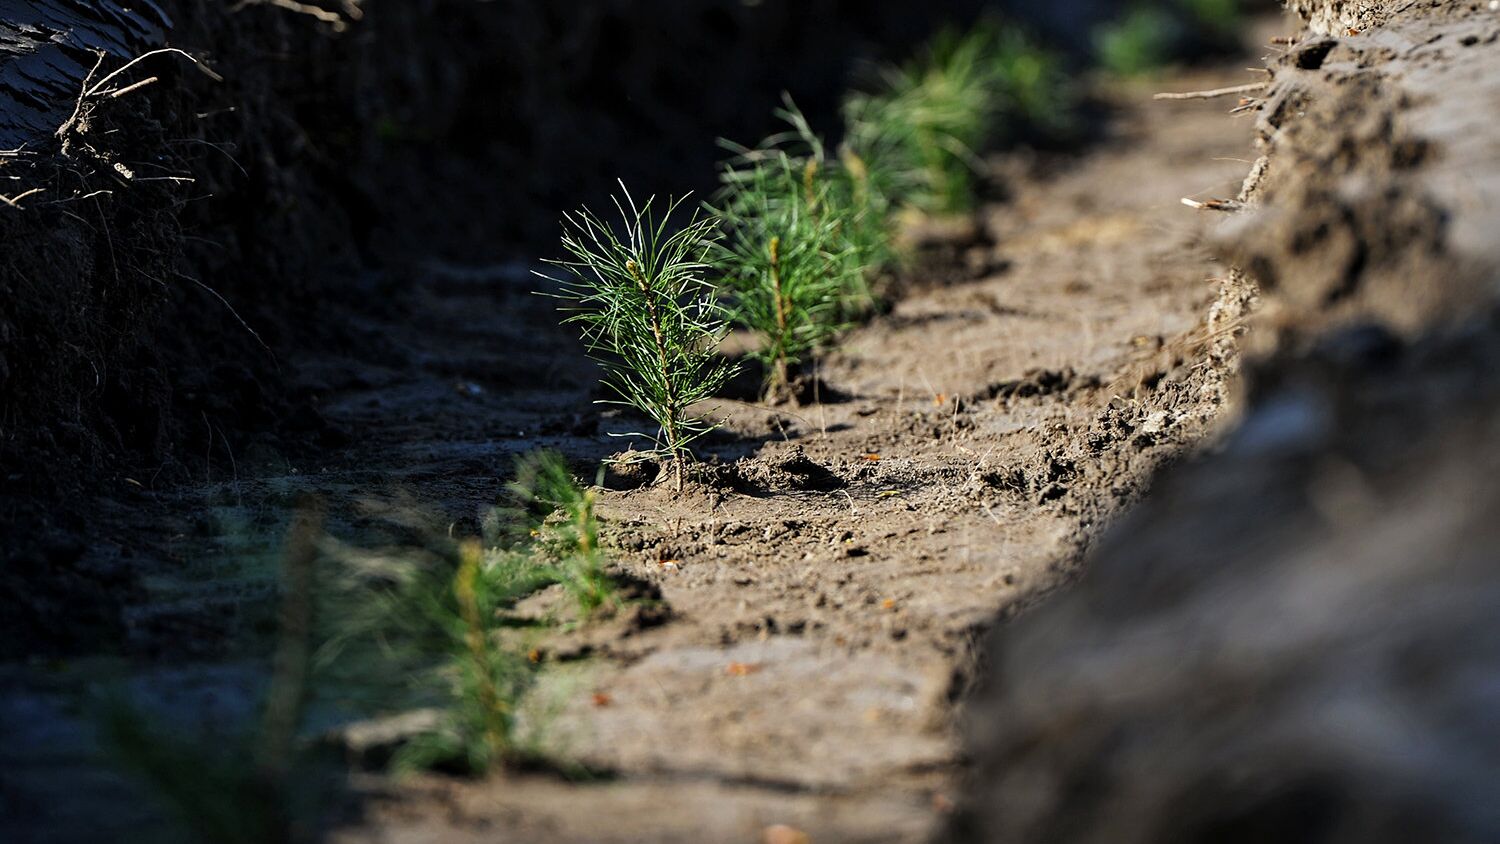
x,y
1293,637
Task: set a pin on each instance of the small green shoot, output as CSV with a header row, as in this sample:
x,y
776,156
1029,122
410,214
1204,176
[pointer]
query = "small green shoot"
x,y
1217,17
566,530
1141,42
649,315
924,128
836,187
921,131
430,620
789,263
1152,35
485,679
1030,83
420,625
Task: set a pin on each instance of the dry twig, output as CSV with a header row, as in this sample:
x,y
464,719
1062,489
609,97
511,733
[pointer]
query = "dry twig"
x,y
1213,204
1214,93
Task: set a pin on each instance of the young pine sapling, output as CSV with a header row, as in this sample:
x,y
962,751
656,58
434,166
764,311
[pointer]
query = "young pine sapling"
x,y
839,189
789,263
649,315
922,128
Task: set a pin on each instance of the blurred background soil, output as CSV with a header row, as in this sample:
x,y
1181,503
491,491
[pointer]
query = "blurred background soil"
x,y
1293,638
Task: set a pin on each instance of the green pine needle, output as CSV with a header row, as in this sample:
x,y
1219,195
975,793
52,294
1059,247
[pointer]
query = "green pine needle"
x,y
565,528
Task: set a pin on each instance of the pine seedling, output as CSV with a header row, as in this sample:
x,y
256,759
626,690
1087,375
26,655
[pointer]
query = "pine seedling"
x,y
420,625
561,522
838,189
648,315
1030,85
1141,42
787,262
922,130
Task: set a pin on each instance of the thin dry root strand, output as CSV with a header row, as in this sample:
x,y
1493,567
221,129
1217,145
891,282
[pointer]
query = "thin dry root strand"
x,y
1214,93
120,92
338,22
99,86
1213,204
15,201
90,89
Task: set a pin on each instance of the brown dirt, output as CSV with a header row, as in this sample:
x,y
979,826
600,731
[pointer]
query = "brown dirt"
x,y
826,587
827,575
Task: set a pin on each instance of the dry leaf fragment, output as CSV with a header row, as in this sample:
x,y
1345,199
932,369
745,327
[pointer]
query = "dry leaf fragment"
x,y
872,457
743,669
783,834
602,699
888,604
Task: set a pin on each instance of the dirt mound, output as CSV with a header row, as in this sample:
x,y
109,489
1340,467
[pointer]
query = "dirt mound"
x,y
1291,639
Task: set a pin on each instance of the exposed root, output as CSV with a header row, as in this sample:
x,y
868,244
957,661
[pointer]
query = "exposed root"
x,y
338,22
99,86
236,314
15,201
1213,204
1214,93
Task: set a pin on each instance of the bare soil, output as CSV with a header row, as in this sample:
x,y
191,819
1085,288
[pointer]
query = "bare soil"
x,y
828,572
824,577
1290,638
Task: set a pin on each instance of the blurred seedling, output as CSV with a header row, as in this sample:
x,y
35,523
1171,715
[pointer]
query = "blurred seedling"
x,y
258,788
561,521
840,189
425,623
1222,17
420,624
649,315
922,129
1151,35
788,263
1141,42
919,132
1030,82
